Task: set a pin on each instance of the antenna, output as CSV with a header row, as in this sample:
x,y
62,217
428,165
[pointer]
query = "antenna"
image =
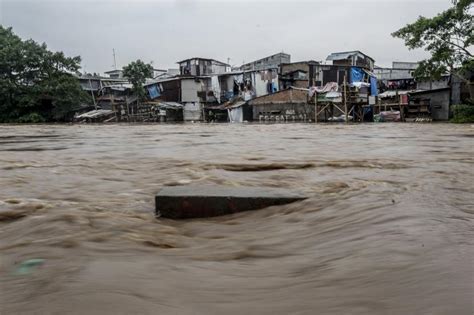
x,y
115,62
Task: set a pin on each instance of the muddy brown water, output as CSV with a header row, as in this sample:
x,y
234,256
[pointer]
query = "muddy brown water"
x,y
388,227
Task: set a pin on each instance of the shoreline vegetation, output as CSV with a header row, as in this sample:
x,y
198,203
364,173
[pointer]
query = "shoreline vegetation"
x,y
462,114
36,84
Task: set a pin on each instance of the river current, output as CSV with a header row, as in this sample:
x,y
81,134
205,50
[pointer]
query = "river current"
x,y
388,227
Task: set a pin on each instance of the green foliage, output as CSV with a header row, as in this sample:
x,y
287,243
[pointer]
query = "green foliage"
x,y
448,37
35,83
33,118
463,114
137,72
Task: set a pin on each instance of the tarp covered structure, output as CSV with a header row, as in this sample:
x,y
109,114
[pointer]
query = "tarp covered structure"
x,y
357,75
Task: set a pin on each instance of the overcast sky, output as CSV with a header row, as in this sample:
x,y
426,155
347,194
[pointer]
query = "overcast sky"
x,y
168,31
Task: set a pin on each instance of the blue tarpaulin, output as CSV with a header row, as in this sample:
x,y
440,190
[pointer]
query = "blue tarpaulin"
x,y
357,74
274,87
153,91
373,86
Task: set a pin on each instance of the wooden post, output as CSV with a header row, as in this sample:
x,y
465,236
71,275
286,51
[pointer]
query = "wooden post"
x,y
128,113
345,98
92,94
203,110
114,108
402,115
315,107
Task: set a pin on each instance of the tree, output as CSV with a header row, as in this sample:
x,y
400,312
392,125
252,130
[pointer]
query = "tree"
x,y
448,37
36,84
137,72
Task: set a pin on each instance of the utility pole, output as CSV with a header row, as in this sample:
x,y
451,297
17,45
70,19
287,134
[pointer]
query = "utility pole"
x,y
115,62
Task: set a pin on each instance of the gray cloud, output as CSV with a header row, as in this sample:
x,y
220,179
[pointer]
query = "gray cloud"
x,y
167,31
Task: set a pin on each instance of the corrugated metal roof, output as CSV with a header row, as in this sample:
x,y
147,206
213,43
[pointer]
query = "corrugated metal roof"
x,y
101,78
114,71
231,73
280,54
391,93
96,113
171,105
430,91
246,71
346,54
314,62
119,87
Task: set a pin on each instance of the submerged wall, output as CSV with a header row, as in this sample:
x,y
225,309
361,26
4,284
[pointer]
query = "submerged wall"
x,y
283,112
192,111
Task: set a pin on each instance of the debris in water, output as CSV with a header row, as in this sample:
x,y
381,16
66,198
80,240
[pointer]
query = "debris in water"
x,y
28,266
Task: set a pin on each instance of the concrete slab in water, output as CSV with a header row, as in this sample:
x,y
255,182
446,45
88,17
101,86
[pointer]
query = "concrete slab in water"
x,y
185,202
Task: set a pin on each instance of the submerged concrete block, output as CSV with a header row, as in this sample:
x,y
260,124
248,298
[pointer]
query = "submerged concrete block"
x,y
185,202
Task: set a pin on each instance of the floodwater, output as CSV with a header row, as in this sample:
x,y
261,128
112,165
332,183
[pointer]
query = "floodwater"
x,y
387,229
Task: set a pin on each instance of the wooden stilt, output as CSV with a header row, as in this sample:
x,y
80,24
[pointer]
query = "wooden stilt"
x,y
345,99
316,107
